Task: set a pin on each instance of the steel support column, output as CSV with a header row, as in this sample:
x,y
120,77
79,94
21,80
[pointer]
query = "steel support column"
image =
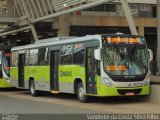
x,y
15,31
35,36
129,17
34,33
63,25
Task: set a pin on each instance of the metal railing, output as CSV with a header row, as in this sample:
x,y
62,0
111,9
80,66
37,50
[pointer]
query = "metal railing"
x,y
116,10
66,4
28,12
41,8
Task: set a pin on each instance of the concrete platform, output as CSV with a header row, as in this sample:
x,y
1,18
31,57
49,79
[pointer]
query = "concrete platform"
x,y
155,89
155,79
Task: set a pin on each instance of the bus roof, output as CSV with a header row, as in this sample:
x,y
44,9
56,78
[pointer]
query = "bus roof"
x,y
56,41
64,40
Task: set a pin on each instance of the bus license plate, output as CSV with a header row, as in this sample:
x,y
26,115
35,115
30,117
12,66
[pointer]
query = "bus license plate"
x,y
137,84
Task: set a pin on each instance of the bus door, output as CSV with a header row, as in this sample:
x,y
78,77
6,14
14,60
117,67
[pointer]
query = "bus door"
x,y
54,62
21,63
91,72
1,59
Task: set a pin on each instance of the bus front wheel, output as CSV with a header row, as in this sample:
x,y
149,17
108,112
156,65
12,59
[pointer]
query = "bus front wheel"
x,y
81,93
33,92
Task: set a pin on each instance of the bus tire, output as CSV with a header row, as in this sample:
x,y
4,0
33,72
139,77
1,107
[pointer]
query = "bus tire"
x,y
80,93
33,92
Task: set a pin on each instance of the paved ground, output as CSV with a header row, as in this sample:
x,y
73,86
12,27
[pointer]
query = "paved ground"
x,y
155,78
21,102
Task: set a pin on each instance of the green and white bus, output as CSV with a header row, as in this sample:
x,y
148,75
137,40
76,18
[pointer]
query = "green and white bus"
x,y
5,54
93,65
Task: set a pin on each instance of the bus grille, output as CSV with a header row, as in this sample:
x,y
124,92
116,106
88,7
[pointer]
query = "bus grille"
x,y
123,92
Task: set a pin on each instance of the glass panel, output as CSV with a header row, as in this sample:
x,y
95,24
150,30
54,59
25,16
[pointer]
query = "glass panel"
x,y
33,57
14,59
66,54
6,63
27,57
125,60
145,10
78,55
43,56
1,65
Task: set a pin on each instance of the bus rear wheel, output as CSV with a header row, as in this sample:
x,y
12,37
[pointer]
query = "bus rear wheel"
x,y
33,92
81,93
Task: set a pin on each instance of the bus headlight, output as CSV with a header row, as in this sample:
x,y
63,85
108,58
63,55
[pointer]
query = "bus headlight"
x,y
8,80
107,82
147,82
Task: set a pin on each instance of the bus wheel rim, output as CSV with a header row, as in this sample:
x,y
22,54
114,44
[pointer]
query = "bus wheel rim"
x,y
32,89
81,93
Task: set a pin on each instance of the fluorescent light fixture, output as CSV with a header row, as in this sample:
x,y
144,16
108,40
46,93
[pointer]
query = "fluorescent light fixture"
x,y
14,34
50,33
27,31
18,40
4,36
40,36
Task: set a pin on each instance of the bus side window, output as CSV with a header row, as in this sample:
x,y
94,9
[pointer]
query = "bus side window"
x,y
1,75
66,54
89,60
78,54
92,64
43,56
33,57
27,57
14,60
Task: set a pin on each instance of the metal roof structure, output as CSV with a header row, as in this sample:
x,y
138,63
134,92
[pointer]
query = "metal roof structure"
x,y
28,12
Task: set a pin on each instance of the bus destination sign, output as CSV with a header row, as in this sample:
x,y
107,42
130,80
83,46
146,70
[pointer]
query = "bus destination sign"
x,y
126,40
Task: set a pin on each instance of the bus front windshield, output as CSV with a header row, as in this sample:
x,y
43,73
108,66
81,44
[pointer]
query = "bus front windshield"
x,y
125,60
6,63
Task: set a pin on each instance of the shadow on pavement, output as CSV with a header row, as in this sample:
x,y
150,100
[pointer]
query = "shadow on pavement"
x,y
99,100
65,96
12,89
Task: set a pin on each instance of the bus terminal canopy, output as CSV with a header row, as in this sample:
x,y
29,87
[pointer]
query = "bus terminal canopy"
x,y
61,7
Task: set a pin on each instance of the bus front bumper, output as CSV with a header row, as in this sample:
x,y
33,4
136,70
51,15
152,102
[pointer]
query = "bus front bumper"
x,y
103,90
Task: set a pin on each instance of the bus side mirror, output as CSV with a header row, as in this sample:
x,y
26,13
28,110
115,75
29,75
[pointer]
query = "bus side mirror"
x,y
97,54
150,54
